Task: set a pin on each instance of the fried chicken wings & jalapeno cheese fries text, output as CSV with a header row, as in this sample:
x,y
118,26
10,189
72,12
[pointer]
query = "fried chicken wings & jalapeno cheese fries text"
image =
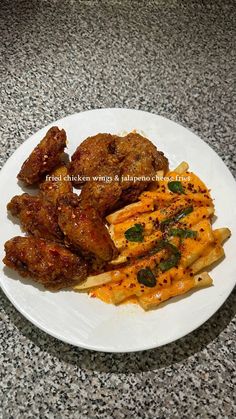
x,y
136,232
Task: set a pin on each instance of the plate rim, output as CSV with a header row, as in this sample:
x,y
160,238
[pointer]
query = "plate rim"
x,y
100,348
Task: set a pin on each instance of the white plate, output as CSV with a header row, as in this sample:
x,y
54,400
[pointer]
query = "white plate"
x,y
88,322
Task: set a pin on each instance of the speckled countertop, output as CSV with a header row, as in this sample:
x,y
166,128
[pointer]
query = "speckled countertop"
x,y
174,58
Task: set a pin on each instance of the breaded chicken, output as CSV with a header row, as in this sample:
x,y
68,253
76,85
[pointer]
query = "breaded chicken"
x,y
131,162
37,216
44,157
101,195
84,229
92,155
56,184
46,262
143,147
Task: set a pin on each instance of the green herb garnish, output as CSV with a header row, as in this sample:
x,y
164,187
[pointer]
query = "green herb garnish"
x,y
182,233
169,263
163,244
135,233
183,213
174,257
160,245
146,277
175,218
176,187
165,223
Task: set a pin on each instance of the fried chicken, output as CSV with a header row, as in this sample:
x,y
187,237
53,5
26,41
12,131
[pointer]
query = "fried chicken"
x,y
37,216
46,262
92,155
101,195
84,229
56,184
120,158
44,157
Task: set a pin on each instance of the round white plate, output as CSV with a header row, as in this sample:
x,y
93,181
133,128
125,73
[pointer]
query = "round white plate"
x,y
88,322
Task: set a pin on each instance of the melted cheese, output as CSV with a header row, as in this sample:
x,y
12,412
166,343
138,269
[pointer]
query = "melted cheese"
x,y
154,207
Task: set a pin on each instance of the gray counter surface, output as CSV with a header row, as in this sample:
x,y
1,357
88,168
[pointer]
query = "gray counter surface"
x,y
173,58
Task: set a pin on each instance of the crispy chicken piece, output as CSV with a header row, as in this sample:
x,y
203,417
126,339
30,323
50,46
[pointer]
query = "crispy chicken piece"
x,y
48,263
141,159
56,184
37,216
92,155
84,229
121,158
44,157
137,172
101,195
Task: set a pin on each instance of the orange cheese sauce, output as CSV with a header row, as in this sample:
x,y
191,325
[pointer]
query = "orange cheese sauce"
x,y
154,207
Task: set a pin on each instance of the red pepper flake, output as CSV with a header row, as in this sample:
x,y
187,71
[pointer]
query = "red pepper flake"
x,y
156,223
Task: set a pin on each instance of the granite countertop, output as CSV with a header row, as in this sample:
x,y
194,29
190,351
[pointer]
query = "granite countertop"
x,y
172,58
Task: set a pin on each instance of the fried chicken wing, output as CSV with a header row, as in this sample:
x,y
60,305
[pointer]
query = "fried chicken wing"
x,y
101,195
44,157
56,184
91,156
144,149
48,263
131,162
83,228
37,216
